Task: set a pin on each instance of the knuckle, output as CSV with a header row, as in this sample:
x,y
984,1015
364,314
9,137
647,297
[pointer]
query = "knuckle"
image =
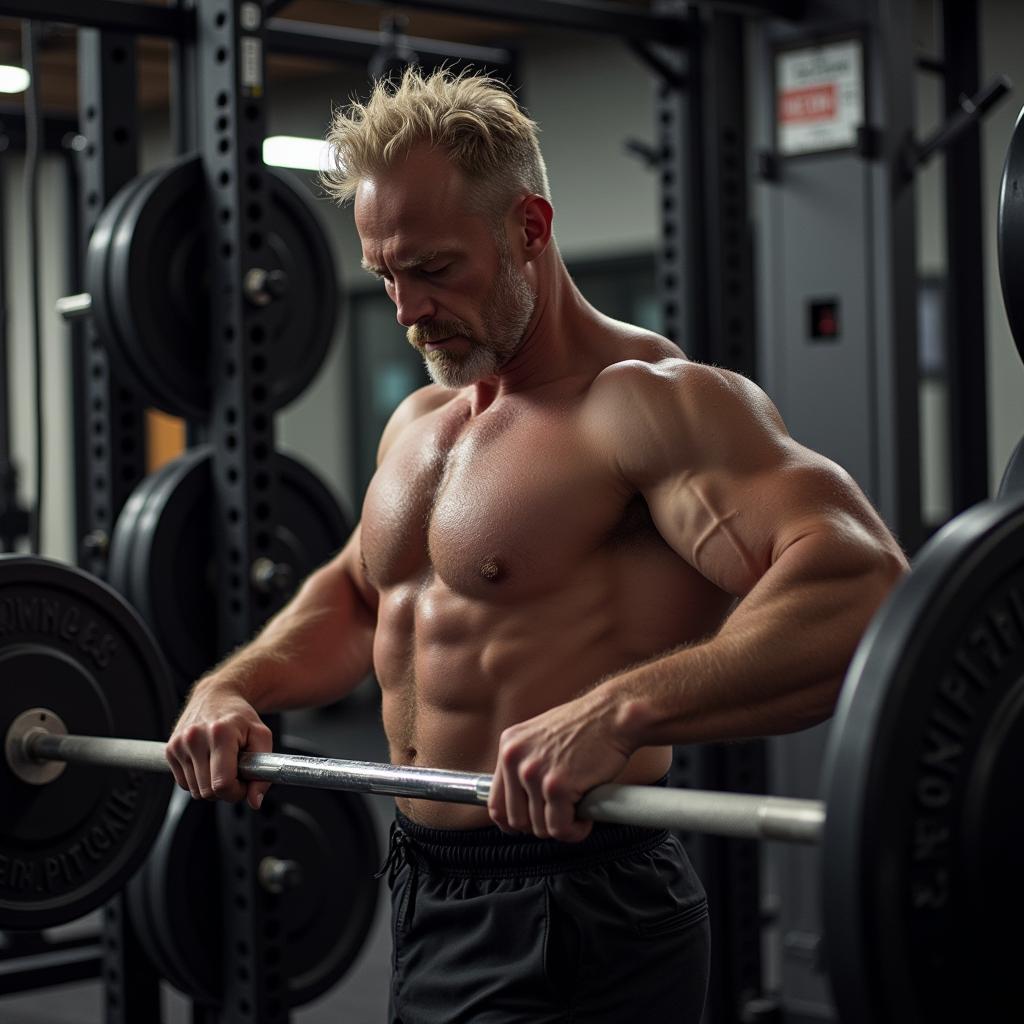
x,y
192,735
553,786
223,729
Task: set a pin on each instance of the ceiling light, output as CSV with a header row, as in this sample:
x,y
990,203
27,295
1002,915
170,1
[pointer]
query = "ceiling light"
x,y
292,151
13,79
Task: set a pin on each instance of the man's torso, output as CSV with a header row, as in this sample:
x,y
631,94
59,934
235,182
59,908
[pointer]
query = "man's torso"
x,y
515,569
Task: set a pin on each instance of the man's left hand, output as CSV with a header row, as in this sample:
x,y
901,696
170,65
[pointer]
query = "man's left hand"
x,y
546,764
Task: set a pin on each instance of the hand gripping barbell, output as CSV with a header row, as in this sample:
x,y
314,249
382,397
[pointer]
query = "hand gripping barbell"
x,y
922,830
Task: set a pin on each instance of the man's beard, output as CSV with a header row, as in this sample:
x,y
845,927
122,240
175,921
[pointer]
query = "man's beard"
x,y
505,316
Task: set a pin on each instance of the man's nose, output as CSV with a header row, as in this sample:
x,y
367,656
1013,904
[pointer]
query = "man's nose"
x,y
413,304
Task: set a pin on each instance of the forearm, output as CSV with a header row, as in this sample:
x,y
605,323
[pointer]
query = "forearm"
x,y
314,651
775,666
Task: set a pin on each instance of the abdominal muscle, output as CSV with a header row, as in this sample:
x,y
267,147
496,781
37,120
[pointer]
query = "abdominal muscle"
x,y
455,672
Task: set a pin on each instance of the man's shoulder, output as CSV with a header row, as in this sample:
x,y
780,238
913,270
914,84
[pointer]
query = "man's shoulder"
x,y
422,401
663,377
650,415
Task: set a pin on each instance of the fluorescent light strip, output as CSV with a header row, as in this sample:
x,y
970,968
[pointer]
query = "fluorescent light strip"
x,y
292,151
13,79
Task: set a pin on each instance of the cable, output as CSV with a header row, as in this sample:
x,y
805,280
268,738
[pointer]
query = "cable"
x,y
33,131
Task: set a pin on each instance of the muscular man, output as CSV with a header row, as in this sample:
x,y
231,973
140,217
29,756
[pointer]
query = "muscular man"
x,y
578,549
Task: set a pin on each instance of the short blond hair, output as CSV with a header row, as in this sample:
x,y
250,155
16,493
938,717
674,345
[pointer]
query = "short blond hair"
x,y
472,117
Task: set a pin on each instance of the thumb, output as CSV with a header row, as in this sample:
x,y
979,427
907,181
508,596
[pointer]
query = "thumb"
x,y
255,792
260,741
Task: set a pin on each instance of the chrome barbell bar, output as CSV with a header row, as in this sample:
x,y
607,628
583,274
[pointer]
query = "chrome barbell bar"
x,y
738,815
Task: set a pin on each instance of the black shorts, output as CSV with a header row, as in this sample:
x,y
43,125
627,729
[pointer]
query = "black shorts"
x,y
492,928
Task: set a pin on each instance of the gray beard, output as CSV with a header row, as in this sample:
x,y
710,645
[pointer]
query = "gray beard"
x,y
505,320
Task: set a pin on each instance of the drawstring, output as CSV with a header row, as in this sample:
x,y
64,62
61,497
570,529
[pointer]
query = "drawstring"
x,y
400,851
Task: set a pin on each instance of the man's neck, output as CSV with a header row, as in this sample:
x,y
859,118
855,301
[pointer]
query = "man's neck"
x,y
555,345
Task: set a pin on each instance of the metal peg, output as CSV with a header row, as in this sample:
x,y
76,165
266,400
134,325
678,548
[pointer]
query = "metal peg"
x,y
75,307
261,286
276,875
268,575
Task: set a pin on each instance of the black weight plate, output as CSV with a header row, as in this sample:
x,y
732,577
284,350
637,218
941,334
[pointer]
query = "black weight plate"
x,y
97,272
923,895
127,529
1011,233
176,900
170,578
69,643
157,284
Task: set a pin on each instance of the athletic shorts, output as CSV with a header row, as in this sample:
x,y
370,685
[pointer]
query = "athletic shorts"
x,y
491,928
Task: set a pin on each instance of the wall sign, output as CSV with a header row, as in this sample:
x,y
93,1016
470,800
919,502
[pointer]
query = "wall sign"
x,y
819,97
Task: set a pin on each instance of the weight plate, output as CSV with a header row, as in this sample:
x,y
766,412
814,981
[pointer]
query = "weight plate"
x,y
126,530
164,554
157,282
176,899
96,266
70,644
922,889
1011,233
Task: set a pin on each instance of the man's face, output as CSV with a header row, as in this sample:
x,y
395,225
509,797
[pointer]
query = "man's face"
x,y
456,286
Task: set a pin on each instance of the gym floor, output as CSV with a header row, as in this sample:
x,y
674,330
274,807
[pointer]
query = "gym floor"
x,y
351,730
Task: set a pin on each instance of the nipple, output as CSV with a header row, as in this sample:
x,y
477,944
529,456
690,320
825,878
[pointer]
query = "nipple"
x,y
491,570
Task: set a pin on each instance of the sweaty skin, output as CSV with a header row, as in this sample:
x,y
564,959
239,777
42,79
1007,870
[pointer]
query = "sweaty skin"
x,y
594,551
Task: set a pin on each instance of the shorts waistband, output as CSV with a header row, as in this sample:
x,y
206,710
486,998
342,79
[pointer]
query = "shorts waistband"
x,y
490,851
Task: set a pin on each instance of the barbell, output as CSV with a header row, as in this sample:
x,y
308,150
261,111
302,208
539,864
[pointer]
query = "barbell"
x,y
921,827
37,743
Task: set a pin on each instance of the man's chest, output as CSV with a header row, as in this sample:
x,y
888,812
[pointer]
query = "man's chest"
x,y
505,505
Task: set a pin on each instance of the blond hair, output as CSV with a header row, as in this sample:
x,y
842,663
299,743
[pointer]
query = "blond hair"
x,y
472,117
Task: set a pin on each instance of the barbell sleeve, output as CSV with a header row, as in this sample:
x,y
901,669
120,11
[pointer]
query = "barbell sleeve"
x,y
74,307
739,815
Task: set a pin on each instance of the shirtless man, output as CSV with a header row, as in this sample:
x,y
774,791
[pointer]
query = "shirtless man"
x,y
578,549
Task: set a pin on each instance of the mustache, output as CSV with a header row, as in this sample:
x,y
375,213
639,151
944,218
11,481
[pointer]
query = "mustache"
x,y
421,334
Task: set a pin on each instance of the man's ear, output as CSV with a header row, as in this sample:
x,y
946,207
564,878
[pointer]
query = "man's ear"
x,y
533,225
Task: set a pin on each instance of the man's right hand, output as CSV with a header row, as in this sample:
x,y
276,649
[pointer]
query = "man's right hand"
x,y
216,725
